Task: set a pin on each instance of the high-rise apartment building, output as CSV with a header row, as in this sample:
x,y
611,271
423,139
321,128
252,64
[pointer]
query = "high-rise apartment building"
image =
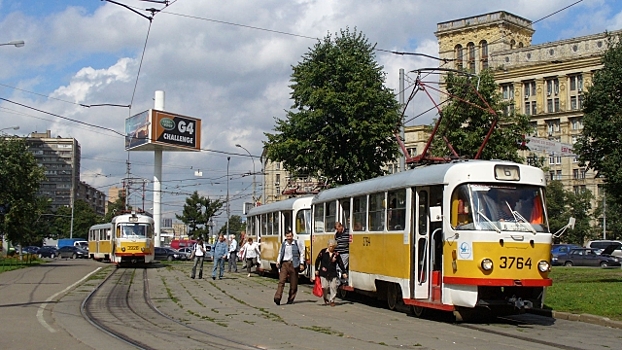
x,y
60,157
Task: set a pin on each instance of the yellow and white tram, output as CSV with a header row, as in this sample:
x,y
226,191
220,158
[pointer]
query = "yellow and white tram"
x,y
128,239
461,236
268,224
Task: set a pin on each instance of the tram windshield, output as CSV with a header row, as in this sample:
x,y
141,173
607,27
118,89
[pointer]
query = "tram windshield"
x,y
134,231
498,207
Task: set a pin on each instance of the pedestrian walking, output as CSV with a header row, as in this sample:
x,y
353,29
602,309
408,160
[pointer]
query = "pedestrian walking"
x,y
198,252
342,237
326,264
233,253
220,251
289,264
251,253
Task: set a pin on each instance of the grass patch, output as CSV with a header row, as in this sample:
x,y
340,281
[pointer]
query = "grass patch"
x,y
586,290
325,330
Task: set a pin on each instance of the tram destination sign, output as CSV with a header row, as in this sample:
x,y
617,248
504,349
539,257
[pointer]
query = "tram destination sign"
x,y
159,130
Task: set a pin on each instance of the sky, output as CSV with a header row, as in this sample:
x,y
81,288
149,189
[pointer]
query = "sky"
x,y
227,63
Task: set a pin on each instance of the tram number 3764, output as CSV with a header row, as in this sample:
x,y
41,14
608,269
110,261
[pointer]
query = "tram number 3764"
x,y
508,262
132,247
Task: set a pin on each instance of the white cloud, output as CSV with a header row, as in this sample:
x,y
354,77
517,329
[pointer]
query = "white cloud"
x,y
234,77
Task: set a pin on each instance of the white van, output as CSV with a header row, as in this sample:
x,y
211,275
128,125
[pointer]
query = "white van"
x,y
604,243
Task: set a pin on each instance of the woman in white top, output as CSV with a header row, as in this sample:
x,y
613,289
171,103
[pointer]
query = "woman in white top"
x,y
251,253
199,254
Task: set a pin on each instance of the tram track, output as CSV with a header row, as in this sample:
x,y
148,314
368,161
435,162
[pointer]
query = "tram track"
x,y
509,332
120,306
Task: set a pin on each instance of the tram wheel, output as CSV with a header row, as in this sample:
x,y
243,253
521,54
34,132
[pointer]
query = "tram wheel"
x,y
418,311
392,296
342,293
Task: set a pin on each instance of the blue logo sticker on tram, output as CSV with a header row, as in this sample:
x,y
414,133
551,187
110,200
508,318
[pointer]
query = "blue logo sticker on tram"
x,y
465,251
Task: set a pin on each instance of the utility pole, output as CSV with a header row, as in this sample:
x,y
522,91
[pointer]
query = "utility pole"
x,y
228,211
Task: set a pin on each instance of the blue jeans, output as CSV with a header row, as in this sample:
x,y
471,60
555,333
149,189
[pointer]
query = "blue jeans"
x,y
218,263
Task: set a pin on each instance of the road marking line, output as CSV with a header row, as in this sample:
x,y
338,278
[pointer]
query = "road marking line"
x,y
47,301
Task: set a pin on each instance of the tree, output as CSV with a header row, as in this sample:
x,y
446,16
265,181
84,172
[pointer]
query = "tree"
x,y
84,217
609,209
465,126
115,208
343,118
20,176
197,213
599,145
236,225
561,205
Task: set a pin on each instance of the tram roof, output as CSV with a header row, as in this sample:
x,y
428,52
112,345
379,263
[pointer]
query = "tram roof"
x,y
287,204
423,176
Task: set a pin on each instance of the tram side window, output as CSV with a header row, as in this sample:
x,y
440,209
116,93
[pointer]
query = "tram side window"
x,y
376,211
274,219
264,225
397,210
461,216
287,220
331,215
303,221
318,218
345,208
359,209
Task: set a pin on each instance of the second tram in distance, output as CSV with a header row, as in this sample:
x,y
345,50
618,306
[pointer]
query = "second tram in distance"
x,y
128,239
268,224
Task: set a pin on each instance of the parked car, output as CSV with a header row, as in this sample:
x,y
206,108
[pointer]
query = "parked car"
x,y
72,252
208,257
165,253
31,249
603,244
589,257
47,252
560,249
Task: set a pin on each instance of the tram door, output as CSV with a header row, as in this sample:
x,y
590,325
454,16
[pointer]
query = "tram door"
x,y
421,255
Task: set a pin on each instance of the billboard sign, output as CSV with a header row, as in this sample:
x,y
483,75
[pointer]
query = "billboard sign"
x,y
159,130
175,130
137,130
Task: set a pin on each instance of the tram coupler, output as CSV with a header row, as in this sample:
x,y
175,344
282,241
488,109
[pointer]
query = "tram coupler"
x,y
520,304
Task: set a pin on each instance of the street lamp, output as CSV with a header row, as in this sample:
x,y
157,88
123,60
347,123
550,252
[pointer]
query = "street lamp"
x,y
10,127
253,158
16,43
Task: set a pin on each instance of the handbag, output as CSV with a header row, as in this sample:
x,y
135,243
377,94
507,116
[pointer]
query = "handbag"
x,y
317,287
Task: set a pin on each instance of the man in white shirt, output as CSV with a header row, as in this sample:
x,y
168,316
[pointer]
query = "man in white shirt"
x,y
233,253
199,252
290,263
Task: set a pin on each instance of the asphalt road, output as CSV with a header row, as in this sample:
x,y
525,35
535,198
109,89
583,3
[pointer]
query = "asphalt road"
x,y
40,308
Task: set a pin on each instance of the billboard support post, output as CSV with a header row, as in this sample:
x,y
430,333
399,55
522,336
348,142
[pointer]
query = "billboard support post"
x,y
157,177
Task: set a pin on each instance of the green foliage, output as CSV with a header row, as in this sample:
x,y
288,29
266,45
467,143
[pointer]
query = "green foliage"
x,y
197,212
599,145
343,117
20,176
114,208
236,225
561,205
84,217
465,126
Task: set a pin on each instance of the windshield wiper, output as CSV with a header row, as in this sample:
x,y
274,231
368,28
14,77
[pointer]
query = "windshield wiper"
x,y
490,222
519,218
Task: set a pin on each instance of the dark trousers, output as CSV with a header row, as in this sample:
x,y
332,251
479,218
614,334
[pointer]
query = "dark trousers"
x,y
198,260
287,269
233,261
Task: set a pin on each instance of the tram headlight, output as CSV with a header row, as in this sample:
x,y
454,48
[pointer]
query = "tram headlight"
x,y
487,264
544,266
122,249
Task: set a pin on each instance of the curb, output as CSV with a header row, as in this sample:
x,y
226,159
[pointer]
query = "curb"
x,y
586,318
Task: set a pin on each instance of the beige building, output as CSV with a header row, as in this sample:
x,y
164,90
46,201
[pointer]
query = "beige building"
x,y
544,81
